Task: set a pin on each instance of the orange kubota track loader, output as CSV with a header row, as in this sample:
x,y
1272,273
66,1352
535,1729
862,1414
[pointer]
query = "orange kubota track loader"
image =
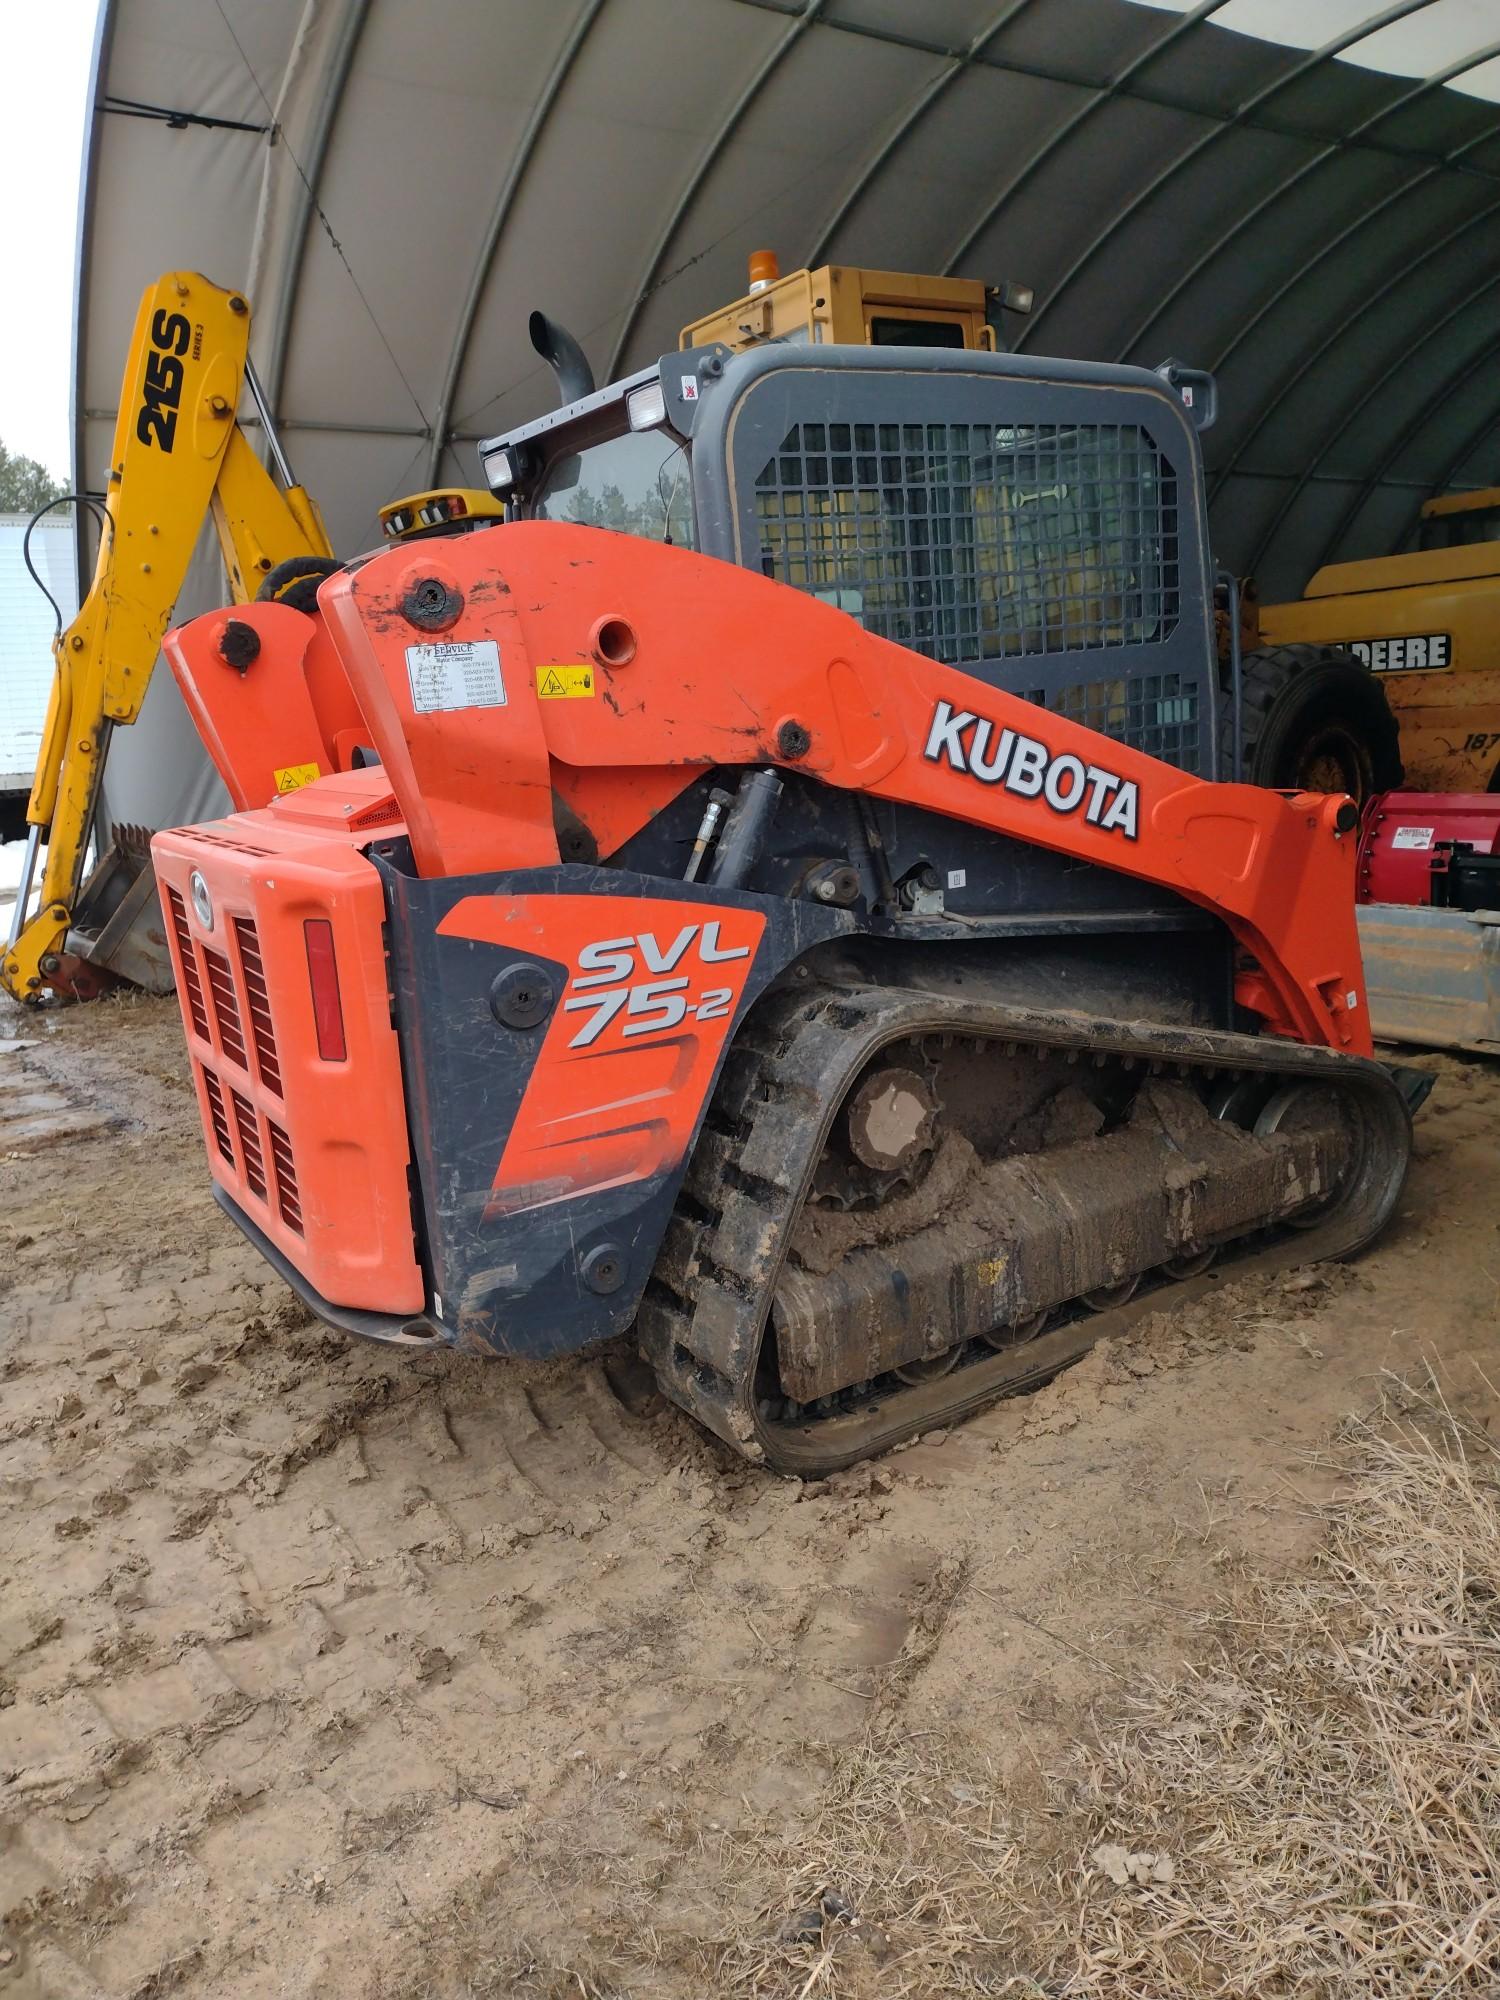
x,y
800,925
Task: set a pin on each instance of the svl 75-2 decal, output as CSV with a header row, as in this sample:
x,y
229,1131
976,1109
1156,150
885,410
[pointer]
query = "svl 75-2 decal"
x,y
609,982
647,992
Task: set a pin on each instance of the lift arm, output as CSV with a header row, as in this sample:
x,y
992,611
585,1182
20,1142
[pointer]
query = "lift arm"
x,y
545,662
178,455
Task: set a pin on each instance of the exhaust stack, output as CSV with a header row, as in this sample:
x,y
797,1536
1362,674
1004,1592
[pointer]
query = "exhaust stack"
x,y
567,360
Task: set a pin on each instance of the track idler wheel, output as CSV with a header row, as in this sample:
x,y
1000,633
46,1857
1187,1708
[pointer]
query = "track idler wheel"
x,y
1287,1109
1104,1298
928,1369
892,1120
1191,1264
1001,1337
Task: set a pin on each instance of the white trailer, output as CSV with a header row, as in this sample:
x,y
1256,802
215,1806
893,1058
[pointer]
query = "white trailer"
x,y
26,627
27,623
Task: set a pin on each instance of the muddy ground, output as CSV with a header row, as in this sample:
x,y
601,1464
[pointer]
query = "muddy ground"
x,y
329,1672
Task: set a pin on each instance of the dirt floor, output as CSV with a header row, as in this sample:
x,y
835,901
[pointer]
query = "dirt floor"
x,y
330,1672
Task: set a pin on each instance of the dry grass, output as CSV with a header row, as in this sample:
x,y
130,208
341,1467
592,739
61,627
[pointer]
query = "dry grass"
x,y
1318,1809
1329,1787
901,1886
886,1886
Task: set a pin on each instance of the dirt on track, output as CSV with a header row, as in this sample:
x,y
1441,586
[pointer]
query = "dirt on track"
x,y
326,1671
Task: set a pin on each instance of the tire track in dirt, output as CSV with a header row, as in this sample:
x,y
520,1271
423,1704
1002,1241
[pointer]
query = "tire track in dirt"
x,y
307,1648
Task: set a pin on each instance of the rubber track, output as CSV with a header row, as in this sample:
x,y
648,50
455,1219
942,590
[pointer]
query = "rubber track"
x,y
702,1321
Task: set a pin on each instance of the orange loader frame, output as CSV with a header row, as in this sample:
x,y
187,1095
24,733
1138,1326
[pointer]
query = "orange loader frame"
x,y
671,662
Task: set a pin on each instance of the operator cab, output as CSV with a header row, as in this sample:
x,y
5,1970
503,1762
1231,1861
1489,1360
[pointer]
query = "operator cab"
x,y
1460,520
841,305
1035,522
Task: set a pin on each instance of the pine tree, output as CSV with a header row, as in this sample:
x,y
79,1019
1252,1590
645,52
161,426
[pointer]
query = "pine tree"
x,y
25,485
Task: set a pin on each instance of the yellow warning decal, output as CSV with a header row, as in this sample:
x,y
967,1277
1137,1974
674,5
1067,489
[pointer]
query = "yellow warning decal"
x,y
294,776
564,683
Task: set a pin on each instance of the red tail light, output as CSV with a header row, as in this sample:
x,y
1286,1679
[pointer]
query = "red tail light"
x,y
323,971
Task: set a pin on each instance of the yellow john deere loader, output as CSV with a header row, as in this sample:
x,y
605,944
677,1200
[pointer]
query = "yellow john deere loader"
x,y
1385,671
178,455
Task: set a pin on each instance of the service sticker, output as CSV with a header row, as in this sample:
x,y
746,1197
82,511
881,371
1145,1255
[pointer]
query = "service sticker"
x,y
1413,836
560,683
292,777
461,673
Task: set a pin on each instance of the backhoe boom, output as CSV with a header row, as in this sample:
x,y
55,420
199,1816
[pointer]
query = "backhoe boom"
x,y
178,455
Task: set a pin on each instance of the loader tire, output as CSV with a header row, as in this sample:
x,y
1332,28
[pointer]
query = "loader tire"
x,y
295,581
1315,720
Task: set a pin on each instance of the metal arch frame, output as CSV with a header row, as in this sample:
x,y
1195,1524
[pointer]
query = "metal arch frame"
x,y
310,176
1361,403
1335,243
926,98
1104,94
1420,89
1315,59
1372,480
88,177
510,186
1040,72
799,23
1331,338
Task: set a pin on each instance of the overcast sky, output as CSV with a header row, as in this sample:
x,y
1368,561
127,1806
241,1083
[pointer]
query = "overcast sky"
x,y
44,76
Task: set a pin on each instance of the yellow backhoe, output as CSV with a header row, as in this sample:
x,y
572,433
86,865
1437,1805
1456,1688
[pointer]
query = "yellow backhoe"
x,y
179,454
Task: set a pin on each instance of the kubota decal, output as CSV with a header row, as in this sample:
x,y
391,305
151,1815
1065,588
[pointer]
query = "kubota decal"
x,y
1025,766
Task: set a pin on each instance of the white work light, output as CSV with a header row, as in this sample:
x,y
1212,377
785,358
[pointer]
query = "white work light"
x,y
646,407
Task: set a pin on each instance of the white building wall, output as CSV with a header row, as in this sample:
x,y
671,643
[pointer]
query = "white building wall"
x,y
26,626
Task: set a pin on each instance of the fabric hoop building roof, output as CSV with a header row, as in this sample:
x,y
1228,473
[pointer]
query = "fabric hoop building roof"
x,y
395,186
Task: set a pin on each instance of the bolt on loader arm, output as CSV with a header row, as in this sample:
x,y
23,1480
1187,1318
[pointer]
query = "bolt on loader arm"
x,y
178,456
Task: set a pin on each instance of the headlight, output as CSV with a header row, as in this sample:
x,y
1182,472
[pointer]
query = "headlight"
x,y
646,407
499,470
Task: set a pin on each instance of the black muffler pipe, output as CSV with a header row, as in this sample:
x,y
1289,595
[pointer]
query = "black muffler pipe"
x,y
563,355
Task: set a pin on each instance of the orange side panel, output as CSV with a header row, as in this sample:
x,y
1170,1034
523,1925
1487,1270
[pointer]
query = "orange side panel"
x,y
314,1151
289,715
453,717
617,803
